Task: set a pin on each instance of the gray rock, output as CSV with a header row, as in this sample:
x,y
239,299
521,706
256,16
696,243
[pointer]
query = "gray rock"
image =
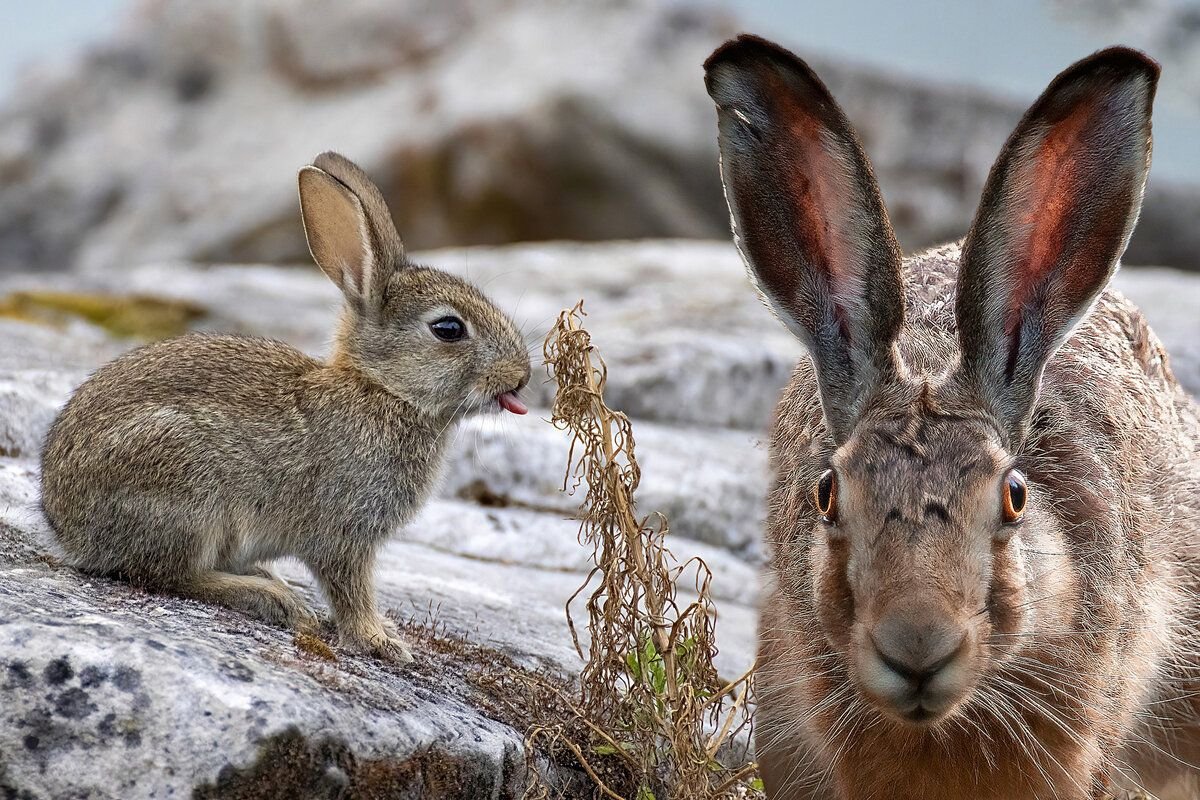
x,y
96,675
1171,302
709,483
204,114
548,541
685,336
99,675
112,693
38,369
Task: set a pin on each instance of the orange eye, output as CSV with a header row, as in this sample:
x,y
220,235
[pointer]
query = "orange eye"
x,y
1012,497
826,494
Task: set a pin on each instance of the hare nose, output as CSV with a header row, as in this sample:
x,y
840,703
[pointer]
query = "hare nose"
x,y
917,651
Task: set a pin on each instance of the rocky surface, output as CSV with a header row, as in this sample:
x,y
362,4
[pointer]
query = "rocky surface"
x,y
96,676
204,111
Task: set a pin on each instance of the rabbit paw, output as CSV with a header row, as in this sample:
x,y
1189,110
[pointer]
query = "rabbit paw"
x,y
303,619
287,609
384,642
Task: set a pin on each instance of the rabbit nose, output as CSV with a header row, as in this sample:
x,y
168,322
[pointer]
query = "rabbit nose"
x,y
917,650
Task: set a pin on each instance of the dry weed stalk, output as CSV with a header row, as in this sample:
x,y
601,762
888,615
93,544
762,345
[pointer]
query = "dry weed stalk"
x,y
652,714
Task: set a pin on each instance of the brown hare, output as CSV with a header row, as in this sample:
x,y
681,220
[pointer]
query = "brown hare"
x,y
985,509
184,464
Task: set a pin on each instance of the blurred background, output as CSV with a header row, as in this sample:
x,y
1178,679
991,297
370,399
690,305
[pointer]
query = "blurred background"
x,y
151,130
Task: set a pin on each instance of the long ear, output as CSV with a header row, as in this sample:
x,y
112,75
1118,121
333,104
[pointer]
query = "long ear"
x,y
808,219
1056,214
350,232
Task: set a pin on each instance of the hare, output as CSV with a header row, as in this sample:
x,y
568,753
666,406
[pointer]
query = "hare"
x,y
984,516
182,465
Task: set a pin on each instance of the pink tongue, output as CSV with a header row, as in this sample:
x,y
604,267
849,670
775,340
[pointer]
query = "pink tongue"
x,y
510,402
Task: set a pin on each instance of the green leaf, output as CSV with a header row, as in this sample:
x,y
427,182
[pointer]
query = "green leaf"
x,y
604,750
635,667
645,793
649,653
658,676
757,785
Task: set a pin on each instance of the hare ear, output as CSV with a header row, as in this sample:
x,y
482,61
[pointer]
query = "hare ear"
x,y
350,232
1056,214
808,219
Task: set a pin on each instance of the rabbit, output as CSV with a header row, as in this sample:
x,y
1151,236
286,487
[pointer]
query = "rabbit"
x,y
183,465
983,523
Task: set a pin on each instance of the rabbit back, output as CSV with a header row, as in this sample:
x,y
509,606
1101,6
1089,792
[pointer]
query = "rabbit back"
x,y
244,448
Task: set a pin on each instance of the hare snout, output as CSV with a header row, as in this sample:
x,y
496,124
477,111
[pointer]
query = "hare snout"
x,y
916,664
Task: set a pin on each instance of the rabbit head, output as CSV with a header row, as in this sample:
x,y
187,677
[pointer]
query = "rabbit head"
x,y
902,520
428,337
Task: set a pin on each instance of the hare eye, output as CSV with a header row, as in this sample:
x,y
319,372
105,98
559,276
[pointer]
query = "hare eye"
x,y
449,329
1013,496
826,493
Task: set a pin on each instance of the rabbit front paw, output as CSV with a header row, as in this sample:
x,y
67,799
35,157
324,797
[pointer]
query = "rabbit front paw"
x,y
382,641
286,608
303,619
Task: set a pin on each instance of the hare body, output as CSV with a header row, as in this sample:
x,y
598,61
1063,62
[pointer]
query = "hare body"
x,y
1106,686
984,520
183,465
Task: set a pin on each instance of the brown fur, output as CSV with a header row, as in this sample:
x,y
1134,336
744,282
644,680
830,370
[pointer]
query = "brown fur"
x,y
184,464
1079,659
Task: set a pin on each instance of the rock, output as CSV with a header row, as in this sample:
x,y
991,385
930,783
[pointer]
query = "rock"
x,y
547,541
686,338
38,369
709,483
108,692
97,675
1169,300
600,130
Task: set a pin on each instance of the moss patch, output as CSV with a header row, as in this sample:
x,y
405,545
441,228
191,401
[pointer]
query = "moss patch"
x,y
133,316
314,646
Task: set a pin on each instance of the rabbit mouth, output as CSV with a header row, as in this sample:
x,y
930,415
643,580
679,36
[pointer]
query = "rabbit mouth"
x,y
510,402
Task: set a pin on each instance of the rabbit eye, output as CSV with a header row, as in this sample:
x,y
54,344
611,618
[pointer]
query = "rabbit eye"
x,y
449,329
1013,496
826,493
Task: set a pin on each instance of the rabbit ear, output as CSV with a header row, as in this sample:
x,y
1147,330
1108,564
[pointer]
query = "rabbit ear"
x,y
1056,214
350,231
808,218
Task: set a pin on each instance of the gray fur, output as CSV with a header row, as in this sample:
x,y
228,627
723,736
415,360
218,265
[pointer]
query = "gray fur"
x,y
183,465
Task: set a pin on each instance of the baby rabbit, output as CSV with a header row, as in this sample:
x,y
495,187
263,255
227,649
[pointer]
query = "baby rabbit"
x,y
984,519
184,464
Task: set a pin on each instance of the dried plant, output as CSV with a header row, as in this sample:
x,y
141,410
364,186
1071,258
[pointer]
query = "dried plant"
x,y
652,715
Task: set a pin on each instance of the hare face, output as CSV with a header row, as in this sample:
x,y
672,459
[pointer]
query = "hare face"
x,y
918,572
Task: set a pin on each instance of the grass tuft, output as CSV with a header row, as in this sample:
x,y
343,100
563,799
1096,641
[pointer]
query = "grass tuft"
x,y
652,719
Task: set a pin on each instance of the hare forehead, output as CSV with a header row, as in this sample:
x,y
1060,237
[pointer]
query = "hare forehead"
x,y
920,457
